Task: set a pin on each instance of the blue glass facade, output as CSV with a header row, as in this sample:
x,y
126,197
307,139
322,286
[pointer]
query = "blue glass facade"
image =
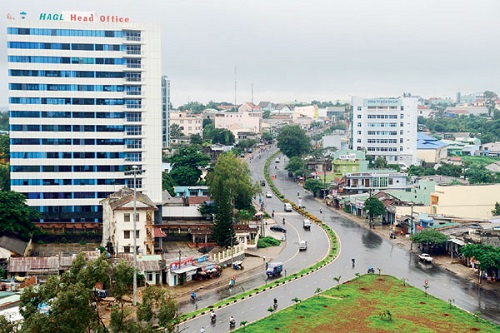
x,y
76,110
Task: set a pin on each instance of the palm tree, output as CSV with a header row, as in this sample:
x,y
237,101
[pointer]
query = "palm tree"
x,y
338,281
297,301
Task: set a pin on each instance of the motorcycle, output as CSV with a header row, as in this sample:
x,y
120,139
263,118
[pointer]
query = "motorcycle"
x,y
213,319
371,270
232,323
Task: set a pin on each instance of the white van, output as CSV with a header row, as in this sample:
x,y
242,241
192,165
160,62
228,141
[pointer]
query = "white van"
x,y
302,245
288,207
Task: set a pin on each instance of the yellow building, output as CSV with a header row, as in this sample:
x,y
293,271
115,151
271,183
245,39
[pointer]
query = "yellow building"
x,y
471,201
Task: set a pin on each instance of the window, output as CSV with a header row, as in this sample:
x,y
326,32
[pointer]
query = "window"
x,y
359,108
359,125
402,108
359,132
126,234
359,140
401,116
126,249
137,234
359,116
126,217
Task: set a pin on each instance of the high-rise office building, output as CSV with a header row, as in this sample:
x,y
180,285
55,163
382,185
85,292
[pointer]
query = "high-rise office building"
x,y
386,127
85,106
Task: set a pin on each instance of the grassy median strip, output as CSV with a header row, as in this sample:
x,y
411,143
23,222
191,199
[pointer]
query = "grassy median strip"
x,y
372,303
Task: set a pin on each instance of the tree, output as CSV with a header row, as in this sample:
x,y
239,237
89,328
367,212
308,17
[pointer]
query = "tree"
x,y
296,165
5,147
187,163
207,209
296,300
230,186
175,131
223,136
70,301
313,185
4,177
206,121
267,136
430,238
337,279
4,121
292,141
15,215
380,163
496,210
167,183
374,207
231,174
196,139
266,114
487,255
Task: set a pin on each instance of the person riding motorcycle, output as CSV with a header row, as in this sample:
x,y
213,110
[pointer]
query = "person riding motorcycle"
x,y
213,316
232,322
193,296
275,304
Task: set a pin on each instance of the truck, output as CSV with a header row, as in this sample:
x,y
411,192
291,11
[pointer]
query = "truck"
x,y
306,224
274,269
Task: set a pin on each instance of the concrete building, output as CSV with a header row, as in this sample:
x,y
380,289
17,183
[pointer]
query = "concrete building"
x,y
188,122
85,106
238,121
362,182
471,201
348,161
386,128
430,149
118,222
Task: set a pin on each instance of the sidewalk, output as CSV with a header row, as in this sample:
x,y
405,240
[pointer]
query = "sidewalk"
x,y
439,260
254,264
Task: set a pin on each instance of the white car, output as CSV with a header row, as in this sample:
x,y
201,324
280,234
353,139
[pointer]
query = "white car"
x,y
425,257
269,194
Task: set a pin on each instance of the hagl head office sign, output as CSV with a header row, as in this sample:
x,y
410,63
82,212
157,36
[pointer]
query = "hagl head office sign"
x,y
82,17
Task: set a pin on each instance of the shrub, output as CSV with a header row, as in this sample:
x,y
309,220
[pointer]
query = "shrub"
x,y
267,241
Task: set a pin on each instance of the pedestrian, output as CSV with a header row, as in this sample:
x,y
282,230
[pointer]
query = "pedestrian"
x,y
264,258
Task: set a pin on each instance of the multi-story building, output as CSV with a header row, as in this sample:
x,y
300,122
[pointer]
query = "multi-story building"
x,y
189,123
85,106
386,127
165,111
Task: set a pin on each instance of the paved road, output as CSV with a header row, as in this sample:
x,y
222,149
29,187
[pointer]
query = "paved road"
x,y
368,249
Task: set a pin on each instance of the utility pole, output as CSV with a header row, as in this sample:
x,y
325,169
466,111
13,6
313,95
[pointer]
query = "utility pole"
x,y
135,169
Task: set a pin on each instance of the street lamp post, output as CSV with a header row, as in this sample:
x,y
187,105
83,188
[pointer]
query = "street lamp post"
x,y
232,252
135,169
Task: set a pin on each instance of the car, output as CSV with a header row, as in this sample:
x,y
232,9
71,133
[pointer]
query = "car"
x,y
277,160
302,245
425,257
242,155
269,194
262,183
278,229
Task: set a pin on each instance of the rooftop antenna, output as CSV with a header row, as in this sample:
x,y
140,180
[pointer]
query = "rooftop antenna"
x,y
252,92
235,109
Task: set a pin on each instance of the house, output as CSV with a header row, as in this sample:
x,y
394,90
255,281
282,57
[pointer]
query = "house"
x,y
266,106
424,111
348,161
119,224
430,149
191,191
249,107
491,149
243,121
281,109
362,182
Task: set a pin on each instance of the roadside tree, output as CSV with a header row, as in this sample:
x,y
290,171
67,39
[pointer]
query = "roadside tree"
x,y
4,177
374,207
496,210
175,131
296,165
292,141
429,238
313,185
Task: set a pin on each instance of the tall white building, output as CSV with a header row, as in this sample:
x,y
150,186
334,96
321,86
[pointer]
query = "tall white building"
x,y
386,127
85,106
165,110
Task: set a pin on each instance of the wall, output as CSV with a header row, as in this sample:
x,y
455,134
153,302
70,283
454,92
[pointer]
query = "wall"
x,y
472,201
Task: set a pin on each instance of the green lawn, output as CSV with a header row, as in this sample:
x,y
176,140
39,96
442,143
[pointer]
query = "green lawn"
x,y
481,160
357,306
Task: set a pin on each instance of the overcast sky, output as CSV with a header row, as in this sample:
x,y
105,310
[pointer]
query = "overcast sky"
x,y
309,49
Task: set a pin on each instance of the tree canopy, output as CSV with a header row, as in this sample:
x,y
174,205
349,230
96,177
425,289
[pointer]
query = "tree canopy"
x,y
4,177
430,238
230,186
66,303
175,131
296,165
487,255
293,141
5,147
16,215
374,207
313,185
187,162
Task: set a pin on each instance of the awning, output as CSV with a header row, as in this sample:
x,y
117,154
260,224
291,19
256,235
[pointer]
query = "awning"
x,y
159,233
184,269
457,241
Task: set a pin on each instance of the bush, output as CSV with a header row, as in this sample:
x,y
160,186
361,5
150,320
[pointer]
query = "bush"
x,y
267,241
